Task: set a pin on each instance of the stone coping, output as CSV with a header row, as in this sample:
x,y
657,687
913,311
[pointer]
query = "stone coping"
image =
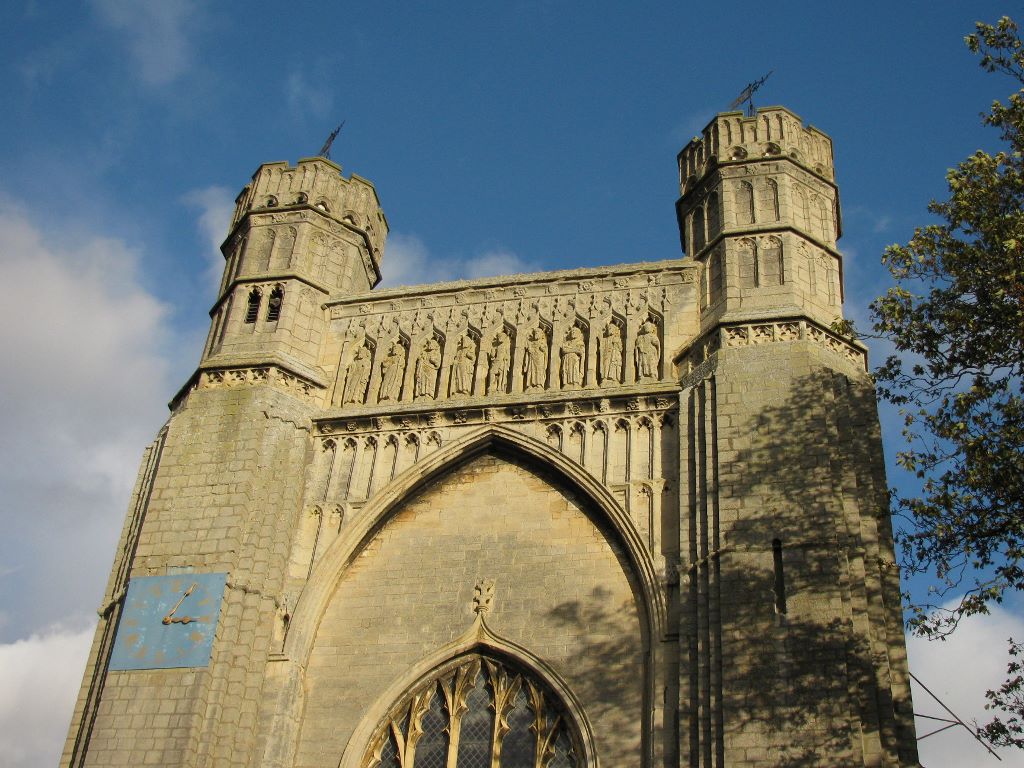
x,y
503,281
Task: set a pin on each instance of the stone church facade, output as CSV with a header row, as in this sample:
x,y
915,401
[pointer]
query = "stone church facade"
x,y
622,516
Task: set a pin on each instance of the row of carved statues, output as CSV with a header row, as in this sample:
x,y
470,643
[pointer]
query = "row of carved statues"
x,y
498,357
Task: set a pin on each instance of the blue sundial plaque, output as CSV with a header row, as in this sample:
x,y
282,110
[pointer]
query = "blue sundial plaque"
x,y
168,621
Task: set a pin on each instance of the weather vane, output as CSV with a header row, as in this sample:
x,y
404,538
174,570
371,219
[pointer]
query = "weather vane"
x,y
747,94
325,150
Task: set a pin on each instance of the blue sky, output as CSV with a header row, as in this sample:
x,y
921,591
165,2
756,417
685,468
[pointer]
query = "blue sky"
x,y
500,137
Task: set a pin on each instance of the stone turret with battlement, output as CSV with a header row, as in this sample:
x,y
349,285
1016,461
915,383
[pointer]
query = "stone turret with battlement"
x,y
759,208
299,235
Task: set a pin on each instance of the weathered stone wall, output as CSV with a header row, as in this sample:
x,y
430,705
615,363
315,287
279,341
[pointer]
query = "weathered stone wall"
x,y
225,496
562,591
790,616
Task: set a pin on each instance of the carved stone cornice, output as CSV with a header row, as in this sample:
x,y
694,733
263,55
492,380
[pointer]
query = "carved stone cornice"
x,y
282,377
511,410
697,360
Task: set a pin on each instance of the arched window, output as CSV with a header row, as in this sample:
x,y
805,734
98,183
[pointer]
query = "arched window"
x,y
478,711
745,203
274,304
771,262
771,191
252,311
698,236
748,263
823,220
714,216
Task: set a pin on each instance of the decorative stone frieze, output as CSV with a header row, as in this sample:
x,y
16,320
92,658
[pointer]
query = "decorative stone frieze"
x,y
567,331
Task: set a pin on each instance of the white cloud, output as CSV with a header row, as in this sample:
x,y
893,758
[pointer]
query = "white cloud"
x,y
216,206
499,262
82,391
306,98
39,682
408,261
155,33
959,671
882,224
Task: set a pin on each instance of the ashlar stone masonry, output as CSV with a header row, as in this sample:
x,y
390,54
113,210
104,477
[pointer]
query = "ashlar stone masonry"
x,y
622,516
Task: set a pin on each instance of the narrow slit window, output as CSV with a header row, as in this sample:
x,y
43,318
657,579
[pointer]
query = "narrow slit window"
x,y
274,305
253,310
780,577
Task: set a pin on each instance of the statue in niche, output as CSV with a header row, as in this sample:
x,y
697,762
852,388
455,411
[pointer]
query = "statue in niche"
x,y
462,366
611,354
358,377
391,370
427,363
648,351
535,363
573,350
498,359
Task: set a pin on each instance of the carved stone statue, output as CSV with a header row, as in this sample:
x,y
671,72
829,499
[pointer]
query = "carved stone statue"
x,y
358,377
573,350
611,354
535,364
427,363
391,370
462,366
648,351
499,357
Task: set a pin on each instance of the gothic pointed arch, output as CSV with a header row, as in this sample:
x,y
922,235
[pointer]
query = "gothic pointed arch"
x,y
491,445
490,438
479,693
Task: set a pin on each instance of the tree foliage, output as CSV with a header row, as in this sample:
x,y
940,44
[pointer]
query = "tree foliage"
x,y
956,318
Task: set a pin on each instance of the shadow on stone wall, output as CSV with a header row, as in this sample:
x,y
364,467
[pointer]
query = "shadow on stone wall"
x,y
794,684
607,652
803,584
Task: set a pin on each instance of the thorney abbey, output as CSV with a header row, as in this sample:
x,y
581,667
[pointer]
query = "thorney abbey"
x,y
628,516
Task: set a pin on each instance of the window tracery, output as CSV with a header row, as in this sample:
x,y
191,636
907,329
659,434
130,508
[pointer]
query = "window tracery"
x,y
480,712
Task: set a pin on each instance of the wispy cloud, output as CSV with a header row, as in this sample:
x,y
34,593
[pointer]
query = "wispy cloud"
x,y
155,32
408,261
216,206
307,98
864,218
691,125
